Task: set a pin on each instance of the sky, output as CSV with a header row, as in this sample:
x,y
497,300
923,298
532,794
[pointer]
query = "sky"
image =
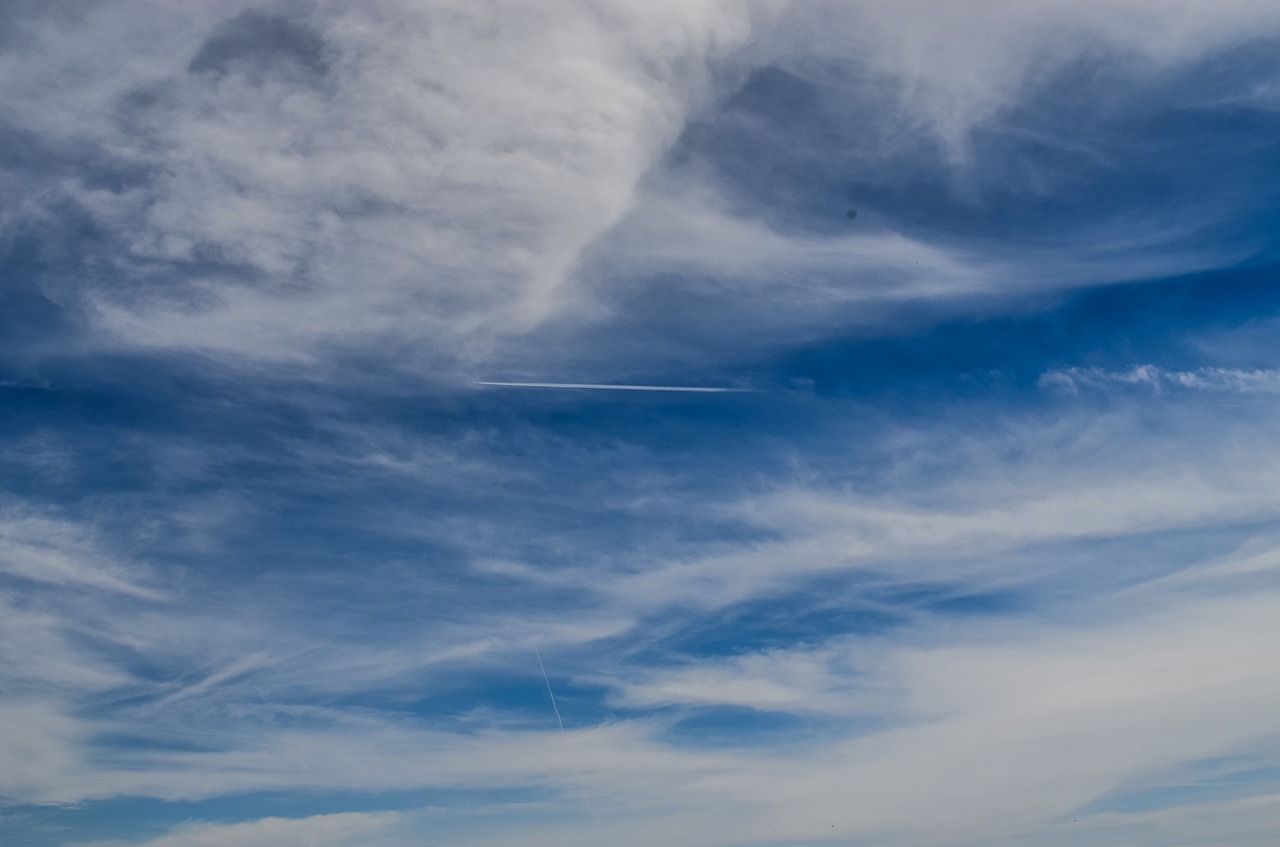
x,y
357,493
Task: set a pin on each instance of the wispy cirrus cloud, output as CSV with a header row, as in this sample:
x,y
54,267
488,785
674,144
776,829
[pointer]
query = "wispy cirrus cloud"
x,y
264,159
269,157
271,568
319,831
1225,380
46,549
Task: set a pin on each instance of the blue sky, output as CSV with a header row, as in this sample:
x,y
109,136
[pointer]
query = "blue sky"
x,y
981,547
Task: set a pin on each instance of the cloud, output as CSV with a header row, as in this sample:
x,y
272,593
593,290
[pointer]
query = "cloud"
x,y
266,551
1247,822
336,830
1056,172
427,176
960,66
964,526
44,549
1225,380
971,726
791,681
282,182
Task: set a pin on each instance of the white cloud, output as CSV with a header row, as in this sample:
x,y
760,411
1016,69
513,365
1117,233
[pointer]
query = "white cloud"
x,y
1225,380
1005,729
40,744
431,187
791,280
354,829
792,681
961,63
987,734
1247,822
44,549
435,185
991,727
964,525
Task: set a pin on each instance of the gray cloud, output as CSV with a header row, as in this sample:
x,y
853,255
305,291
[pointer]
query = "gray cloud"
x,y
258,45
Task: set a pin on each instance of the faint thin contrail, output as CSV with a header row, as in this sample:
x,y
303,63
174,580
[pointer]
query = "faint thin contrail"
x,y
605,387
547,680
586,798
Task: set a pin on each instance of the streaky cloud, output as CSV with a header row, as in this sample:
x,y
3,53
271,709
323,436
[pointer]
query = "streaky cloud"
x,y
1227,380
956,524
697,389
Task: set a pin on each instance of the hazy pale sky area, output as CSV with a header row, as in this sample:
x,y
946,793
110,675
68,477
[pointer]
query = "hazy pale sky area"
x,y
472,423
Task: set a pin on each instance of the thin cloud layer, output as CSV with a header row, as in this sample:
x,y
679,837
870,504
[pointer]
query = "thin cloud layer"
x,y
1229,380
275,181
485,424
318,831
295,177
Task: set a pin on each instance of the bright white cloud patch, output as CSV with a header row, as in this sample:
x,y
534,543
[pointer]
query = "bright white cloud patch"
x,y
426,174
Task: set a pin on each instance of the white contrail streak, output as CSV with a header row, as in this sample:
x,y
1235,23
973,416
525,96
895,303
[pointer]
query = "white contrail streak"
x,y
547,680
586,798
599,387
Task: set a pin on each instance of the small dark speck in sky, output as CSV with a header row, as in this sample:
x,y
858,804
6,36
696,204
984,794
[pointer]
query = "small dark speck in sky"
x,y
851,214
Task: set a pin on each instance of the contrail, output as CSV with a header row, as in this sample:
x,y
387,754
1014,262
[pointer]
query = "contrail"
x,y
547,680
603,387
586,798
